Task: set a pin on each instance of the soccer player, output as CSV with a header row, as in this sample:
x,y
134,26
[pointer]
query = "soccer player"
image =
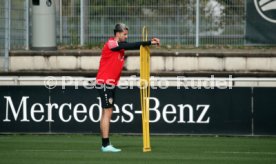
x,y
111,65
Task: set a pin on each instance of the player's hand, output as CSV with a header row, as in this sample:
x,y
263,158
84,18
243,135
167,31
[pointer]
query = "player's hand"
x,y
155,41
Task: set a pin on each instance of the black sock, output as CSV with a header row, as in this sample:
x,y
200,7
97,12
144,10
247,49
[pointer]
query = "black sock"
x,y
105,142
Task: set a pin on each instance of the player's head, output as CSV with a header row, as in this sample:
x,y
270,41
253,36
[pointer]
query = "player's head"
x,y
121,31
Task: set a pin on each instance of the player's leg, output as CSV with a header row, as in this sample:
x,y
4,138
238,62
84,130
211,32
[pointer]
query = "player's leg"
x,y
107,94
104,125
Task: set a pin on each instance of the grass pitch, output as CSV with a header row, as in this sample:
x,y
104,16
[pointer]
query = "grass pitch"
x,y
85,149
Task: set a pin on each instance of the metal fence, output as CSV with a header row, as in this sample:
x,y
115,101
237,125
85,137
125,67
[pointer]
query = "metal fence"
x,y
14,29
91,22
175,22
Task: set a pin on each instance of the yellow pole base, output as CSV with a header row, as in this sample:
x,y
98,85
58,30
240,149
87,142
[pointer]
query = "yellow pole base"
x,y
146,149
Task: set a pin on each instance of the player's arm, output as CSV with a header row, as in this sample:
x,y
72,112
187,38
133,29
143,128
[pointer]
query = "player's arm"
x,y
133,46
130,46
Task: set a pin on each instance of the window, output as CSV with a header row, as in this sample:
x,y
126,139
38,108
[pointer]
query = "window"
x,y
36,2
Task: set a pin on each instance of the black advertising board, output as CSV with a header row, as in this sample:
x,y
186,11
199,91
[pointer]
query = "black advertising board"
x,y
260,22
172,110
265,111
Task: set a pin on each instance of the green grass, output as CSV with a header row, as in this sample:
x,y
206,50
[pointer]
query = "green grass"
x,y
84,149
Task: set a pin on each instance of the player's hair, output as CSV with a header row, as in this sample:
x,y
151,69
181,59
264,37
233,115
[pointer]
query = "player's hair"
x,y
120,27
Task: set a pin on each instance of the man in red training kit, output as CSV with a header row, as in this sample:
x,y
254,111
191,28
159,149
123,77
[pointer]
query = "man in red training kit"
x,y
111,65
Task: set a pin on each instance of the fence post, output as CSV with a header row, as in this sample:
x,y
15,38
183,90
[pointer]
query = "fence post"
x,y
7,33
83,21
178,23
60,22
27,43
197,22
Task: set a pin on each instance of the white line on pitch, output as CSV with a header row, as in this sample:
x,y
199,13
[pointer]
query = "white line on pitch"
x,y
30,150
243,152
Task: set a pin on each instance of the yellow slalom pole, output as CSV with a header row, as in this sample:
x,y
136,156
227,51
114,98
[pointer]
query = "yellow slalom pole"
x,y
145,90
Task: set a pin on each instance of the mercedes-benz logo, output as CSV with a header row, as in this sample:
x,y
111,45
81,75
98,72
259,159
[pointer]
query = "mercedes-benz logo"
x,y
267,9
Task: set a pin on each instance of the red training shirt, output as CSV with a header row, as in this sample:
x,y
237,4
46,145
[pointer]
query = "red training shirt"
x,y
111,64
